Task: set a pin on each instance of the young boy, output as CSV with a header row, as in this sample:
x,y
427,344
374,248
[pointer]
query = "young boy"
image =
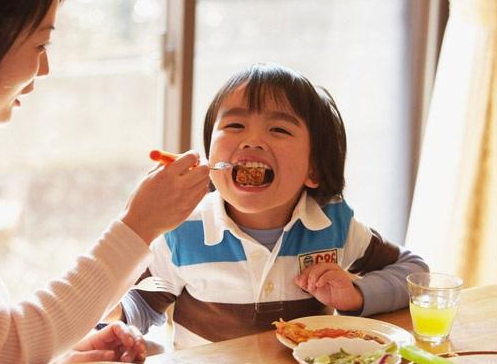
x,y
276,239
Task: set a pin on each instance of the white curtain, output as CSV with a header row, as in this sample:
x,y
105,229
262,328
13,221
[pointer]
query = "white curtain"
x,y
453,222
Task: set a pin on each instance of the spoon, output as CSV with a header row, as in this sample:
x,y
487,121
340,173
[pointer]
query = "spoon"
x,y
219,166
166,158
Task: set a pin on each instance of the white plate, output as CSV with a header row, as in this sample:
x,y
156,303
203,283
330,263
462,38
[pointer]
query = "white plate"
x,y
326,346
381,329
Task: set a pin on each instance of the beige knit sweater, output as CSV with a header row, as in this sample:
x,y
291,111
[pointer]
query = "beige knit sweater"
x,y
60,314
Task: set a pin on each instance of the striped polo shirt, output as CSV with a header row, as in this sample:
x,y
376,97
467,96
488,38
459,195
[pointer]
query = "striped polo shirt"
x,y
225,284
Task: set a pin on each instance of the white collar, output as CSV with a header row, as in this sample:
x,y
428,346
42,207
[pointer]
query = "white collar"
x,y
216,221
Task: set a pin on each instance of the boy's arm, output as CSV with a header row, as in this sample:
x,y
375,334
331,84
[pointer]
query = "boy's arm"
x,y
142,309
385,289
136,311
117,313
378,255
383,266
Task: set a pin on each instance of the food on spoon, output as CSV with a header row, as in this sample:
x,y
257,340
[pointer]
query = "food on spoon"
x,y
255,174
297,332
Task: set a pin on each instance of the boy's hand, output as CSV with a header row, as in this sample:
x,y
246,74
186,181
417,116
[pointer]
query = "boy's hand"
x,y
331,285
115,342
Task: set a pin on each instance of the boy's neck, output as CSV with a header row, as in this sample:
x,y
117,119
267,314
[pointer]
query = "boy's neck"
x,y
264,220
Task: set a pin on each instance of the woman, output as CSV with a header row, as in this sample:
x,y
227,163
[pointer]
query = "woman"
x,y
62,313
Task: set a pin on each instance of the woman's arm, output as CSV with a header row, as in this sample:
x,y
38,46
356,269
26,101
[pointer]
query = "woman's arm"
x,y
67,309
61,314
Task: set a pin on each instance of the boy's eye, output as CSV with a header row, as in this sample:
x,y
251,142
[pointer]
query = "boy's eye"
x,y
234,125
280,130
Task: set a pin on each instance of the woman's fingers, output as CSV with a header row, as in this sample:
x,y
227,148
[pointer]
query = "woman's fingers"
x,y
124,333
136,352
156,168
90,356
166,197
185,162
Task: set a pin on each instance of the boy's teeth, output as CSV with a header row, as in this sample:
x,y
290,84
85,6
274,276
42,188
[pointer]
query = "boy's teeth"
x,y
254,165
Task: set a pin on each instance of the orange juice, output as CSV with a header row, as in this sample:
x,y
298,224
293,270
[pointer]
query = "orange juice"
x,y
433,300
432,319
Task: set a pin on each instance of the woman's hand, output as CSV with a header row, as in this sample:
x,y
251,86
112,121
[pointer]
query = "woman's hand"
x,y
331,285
166,196
115,342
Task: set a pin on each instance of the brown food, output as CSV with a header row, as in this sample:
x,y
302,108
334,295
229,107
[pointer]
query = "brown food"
x,y
253,176
297,333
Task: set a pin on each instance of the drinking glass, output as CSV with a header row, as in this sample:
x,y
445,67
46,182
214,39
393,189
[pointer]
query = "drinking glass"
x,y
433,299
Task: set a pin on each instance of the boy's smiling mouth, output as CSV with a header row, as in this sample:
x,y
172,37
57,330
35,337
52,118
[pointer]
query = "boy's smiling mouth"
x,y
252,174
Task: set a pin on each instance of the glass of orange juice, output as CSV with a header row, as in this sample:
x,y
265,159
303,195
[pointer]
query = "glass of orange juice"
x,y
433,299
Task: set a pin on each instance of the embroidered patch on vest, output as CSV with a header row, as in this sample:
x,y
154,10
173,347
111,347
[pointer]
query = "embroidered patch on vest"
x,y
322,256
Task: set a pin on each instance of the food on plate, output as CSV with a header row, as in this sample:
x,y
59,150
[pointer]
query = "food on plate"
x,y
293,331
298,333
343,350
385,355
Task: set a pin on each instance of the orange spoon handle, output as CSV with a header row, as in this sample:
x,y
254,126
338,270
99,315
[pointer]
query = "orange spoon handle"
x,y
163,157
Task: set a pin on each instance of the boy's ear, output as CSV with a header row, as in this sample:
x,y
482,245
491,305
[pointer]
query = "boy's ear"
x,y
311,180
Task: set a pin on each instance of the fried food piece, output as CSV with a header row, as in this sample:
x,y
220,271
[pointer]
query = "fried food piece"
x,y
296,332
253,176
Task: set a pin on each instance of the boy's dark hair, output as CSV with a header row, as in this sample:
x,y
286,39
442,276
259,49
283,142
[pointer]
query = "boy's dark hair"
x,y
312,104
17,16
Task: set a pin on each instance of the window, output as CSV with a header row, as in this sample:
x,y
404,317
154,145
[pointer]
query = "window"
x,y
80,143
358,50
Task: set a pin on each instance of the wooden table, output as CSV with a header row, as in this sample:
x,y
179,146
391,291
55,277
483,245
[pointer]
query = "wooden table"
x,y
475,328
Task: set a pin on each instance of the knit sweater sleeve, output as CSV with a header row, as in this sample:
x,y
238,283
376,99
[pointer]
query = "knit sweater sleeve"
x,y
385,290
60,314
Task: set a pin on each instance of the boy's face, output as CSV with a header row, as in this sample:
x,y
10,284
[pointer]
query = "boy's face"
x,y
275,145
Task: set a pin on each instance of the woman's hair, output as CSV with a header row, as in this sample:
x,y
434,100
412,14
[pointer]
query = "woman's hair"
x,y
17,16
312,104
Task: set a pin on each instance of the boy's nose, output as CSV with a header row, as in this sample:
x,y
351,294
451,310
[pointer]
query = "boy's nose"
x,y
251,145
254,137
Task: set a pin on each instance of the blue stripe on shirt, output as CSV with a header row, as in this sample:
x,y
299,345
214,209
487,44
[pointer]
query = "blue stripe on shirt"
x,y
187,246
192,250
300,240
